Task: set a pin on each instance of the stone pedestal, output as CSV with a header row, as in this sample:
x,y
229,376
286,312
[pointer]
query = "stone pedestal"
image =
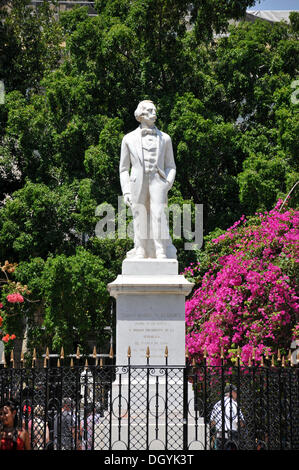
x,y
150,311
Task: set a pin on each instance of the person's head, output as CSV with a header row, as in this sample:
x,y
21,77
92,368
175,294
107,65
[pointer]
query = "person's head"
x,y
67,404
231,391
146,112
8,414
39,411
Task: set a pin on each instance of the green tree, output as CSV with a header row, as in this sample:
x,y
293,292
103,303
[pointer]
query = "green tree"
x,y
29,43
225,101
72,297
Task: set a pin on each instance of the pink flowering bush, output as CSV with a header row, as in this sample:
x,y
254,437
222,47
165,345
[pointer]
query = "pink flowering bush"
x,y
245,290
11,298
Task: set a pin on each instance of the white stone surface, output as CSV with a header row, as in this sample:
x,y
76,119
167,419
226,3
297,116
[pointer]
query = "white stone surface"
x,y
147,171
150,312
150,266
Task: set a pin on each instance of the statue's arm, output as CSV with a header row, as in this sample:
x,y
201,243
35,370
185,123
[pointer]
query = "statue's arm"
x,y
124,167
170,167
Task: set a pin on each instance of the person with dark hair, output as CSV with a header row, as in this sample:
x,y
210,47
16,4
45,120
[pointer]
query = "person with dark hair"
x,y
67,436
11,436
227,419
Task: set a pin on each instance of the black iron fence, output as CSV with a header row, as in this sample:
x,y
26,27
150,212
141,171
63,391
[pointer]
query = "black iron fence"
x,y
77,405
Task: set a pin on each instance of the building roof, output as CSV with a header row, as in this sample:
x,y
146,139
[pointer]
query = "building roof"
x,y
269,15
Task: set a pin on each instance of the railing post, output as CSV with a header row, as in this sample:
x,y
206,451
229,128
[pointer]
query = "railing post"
x,y
185,407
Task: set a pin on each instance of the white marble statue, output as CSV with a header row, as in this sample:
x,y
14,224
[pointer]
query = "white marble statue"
x,y
147,172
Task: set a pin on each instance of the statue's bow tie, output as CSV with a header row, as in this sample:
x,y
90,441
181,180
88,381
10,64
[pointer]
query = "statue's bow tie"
x,y
148,132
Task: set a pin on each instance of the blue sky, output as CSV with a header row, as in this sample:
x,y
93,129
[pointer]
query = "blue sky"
x,y
276,5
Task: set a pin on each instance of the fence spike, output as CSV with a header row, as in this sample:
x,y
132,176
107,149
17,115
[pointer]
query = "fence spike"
x,y
78,353
283,362
22,358
290,356
272,362
187,353
62,353
101,362
58,362
72,363
86,363
278,355
147,355
12,359
253,354
45,362
205,353
34,357
249,362
193,362
267,354
129,351
111,354
94,353
238,352
262,361
47,353
221,353
4,360
166,352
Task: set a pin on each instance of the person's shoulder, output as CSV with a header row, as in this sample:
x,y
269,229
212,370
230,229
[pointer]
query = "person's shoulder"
x,y
23,433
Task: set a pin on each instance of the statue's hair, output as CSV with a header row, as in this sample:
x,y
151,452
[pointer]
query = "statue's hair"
x,y
139,110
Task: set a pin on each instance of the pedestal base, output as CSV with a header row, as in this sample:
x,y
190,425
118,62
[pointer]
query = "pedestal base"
x,y
150,311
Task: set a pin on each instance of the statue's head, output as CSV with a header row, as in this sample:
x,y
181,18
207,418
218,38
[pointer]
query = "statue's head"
x,y
146,111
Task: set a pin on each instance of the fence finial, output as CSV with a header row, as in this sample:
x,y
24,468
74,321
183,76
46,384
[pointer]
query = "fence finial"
x,y
111,354
62,353
34,357
272,361
166,352
3,359
278,355
94,353
22,358
47,353
78,353
12,359
129,351
187,353
147,355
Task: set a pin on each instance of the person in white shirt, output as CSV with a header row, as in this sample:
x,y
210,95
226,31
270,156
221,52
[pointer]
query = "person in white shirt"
x,y
227,418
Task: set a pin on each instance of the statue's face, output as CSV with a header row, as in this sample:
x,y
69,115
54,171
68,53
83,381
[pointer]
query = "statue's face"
x,y
149,115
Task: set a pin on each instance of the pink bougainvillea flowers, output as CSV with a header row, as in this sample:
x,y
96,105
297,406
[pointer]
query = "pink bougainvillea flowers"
x,y
247,296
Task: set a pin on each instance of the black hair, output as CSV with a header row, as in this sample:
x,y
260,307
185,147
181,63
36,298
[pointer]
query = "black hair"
x,y
13,405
